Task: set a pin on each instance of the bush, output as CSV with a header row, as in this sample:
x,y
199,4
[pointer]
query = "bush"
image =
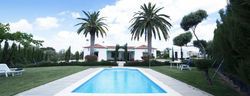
x,y
203,64
90,58
46,64
145,63
145,58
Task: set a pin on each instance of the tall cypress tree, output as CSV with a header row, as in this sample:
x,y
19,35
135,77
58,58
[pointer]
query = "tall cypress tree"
x,y
231,39
5,54
13,53
77,56
67,55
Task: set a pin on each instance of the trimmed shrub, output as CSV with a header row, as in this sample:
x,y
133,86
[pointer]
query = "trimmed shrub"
x,y
46,64
90,58
203,64
146,58
145,63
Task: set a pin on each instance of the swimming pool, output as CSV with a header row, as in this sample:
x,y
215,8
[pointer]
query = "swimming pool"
x,y
119,80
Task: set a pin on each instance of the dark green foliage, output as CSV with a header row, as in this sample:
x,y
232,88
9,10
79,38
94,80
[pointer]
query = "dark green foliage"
x,y
146,58
94,26
90,58
203,64
173,54
197,44
149,22
165,54
5,53
68,55
158,54
145,63
45,64
13,53
232,40
77,56
82,55
182,40
193,19
125,47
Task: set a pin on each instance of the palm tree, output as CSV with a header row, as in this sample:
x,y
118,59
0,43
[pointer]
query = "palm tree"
x,y
92,25
149,22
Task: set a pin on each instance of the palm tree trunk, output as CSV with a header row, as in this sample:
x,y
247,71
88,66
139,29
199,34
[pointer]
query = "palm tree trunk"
x,y
149,44
92,43
149,47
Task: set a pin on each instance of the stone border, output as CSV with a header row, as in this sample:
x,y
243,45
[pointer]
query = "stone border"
x,y
68,91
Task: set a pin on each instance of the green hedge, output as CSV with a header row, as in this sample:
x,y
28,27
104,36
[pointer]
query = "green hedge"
x,y
203,64
45,64
143,63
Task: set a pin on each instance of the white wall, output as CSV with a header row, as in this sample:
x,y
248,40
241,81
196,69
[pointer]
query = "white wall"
x,y
139,53
185,51
102,55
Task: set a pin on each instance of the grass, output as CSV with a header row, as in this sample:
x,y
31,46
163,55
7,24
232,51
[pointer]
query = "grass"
x,y
197,79
33,77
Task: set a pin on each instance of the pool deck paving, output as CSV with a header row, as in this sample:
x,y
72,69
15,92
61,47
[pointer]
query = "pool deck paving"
x,y
56,86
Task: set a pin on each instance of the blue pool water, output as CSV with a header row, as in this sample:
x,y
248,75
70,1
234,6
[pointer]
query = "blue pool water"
x,y
119,80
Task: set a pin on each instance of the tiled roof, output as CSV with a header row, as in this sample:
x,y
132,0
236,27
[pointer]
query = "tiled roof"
x,y
96,46
143,47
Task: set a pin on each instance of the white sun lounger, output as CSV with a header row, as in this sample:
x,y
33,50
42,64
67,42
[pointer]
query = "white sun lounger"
x,y
4,69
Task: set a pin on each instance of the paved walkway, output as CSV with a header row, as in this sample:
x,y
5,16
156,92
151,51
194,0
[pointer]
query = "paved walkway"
x,y
56,86
120,63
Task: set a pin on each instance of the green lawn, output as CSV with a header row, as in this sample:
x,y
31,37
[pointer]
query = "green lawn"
x,y
33,77
197,79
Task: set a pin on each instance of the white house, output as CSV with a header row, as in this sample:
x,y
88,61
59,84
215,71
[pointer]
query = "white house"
x,y
108,52
187,52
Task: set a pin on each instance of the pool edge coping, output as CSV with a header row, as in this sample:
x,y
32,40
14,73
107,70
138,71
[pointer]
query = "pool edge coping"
x,y
68,90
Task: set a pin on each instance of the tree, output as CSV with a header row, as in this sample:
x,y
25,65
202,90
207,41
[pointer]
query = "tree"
x,y
231,40
182,40
5,53
172,54
148,21
67,54
158,54
77,56
82,55
92,25
198,45
13,53
192,20
204,65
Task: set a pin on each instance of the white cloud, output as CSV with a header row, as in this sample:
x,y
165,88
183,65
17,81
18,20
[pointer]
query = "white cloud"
x,y
64,39
63,13
119,15
75,15
46,23
22,25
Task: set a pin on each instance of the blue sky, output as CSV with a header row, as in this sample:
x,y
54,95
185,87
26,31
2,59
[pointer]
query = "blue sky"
x,y
53,20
